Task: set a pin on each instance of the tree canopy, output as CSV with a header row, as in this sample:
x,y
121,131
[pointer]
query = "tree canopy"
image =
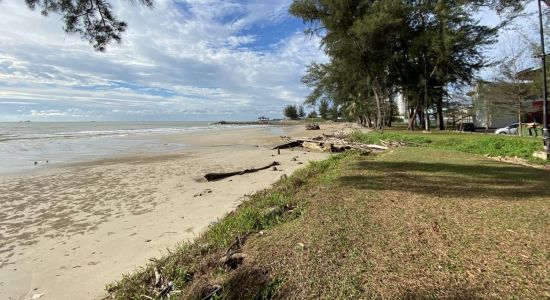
x,y
93,20
380,48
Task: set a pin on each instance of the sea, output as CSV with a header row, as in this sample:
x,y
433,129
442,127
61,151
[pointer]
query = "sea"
x,y
26,146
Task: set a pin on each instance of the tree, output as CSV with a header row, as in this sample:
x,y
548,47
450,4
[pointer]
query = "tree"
x,y
93,20
323,109
379,47
334,113
291,111
301,112
312,115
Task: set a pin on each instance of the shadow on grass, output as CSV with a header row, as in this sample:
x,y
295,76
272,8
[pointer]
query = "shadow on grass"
x,y
452,180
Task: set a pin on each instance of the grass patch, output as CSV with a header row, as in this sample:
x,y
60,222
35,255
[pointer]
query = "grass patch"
x,y
191,261
491,145
417,223
411,223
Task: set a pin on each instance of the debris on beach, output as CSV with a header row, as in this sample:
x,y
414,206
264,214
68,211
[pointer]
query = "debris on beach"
x,y
328,143
313,126
219,176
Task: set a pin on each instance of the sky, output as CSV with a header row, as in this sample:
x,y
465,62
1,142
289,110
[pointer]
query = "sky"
x,y
182,60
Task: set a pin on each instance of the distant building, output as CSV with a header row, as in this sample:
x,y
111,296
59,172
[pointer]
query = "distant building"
x,y
263,119
494,108
401,104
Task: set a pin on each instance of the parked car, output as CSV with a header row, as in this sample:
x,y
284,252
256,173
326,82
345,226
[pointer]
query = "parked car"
x,y
510,129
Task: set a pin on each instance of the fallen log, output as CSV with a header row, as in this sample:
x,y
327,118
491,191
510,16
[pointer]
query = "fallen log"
x,y
290,144
218,176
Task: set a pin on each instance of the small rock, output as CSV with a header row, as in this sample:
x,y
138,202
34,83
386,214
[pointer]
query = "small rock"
x,y
300,163
261,233
36,296
274,168
147,241
206,191
301,246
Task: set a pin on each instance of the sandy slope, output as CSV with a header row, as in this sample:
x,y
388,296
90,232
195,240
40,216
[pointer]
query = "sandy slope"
x,y
68,231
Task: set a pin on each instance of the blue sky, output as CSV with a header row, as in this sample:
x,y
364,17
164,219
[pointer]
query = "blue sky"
x,y
183,60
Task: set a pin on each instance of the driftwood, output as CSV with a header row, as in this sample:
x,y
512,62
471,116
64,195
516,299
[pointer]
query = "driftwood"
x,y
329,143
157,276
290,144
313,126
218,176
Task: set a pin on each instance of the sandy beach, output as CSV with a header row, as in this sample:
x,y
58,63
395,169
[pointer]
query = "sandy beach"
x,y
68,231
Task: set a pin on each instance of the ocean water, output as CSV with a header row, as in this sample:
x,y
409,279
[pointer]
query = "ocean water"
x,y
51,143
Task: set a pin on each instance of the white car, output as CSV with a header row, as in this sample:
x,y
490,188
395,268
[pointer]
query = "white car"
x,y
510,129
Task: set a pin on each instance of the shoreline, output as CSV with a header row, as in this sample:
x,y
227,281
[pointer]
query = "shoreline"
x,y
147,144
70,230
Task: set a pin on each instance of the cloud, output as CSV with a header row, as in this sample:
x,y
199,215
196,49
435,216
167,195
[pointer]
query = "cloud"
x,y
194,57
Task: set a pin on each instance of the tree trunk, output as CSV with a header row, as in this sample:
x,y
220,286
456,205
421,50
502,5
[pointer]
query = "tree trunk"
x,y
411,114
379,122
520,126
440,118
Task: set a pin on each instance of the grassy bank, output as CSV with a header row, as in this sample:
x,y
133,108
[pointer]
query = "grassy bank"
x,y
412,223
193,265
490,145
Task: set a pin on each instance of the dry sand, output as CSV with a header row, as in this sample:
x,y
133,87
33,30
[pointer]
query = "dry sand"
x,y
67,231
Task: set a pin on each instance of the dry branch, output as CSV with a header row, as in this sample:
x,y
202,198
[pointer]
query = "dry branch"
x,y
218,176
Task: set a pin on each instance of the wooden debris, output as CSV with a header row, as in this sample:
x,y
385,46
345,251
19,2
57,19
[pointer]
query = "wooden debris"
x,y
393,144
313,126
291,144
330,144
157,276
213,290
166,291
218,176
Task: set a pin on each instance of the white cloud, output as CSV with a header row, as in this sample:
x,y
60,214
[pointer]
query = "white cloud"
x,y
172,61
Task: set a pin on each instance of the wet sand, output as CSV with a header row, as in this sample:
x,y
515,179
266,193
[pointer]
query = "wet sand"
x,y
68,231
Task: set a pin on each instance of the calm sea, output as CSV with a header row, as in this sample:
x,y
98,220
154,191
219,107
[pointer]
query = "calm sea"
x,y
24,143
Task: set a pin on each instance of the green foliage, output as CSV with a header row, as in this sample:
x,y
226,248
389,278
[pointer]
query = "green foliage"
x,y
301,112
379,47
291,111
93,20
324,109
312,115
494,146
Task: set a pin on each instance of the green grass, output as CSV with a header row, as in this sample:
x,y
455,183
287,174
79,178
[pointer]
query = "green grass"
x,y
263,211
490,145
411,223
